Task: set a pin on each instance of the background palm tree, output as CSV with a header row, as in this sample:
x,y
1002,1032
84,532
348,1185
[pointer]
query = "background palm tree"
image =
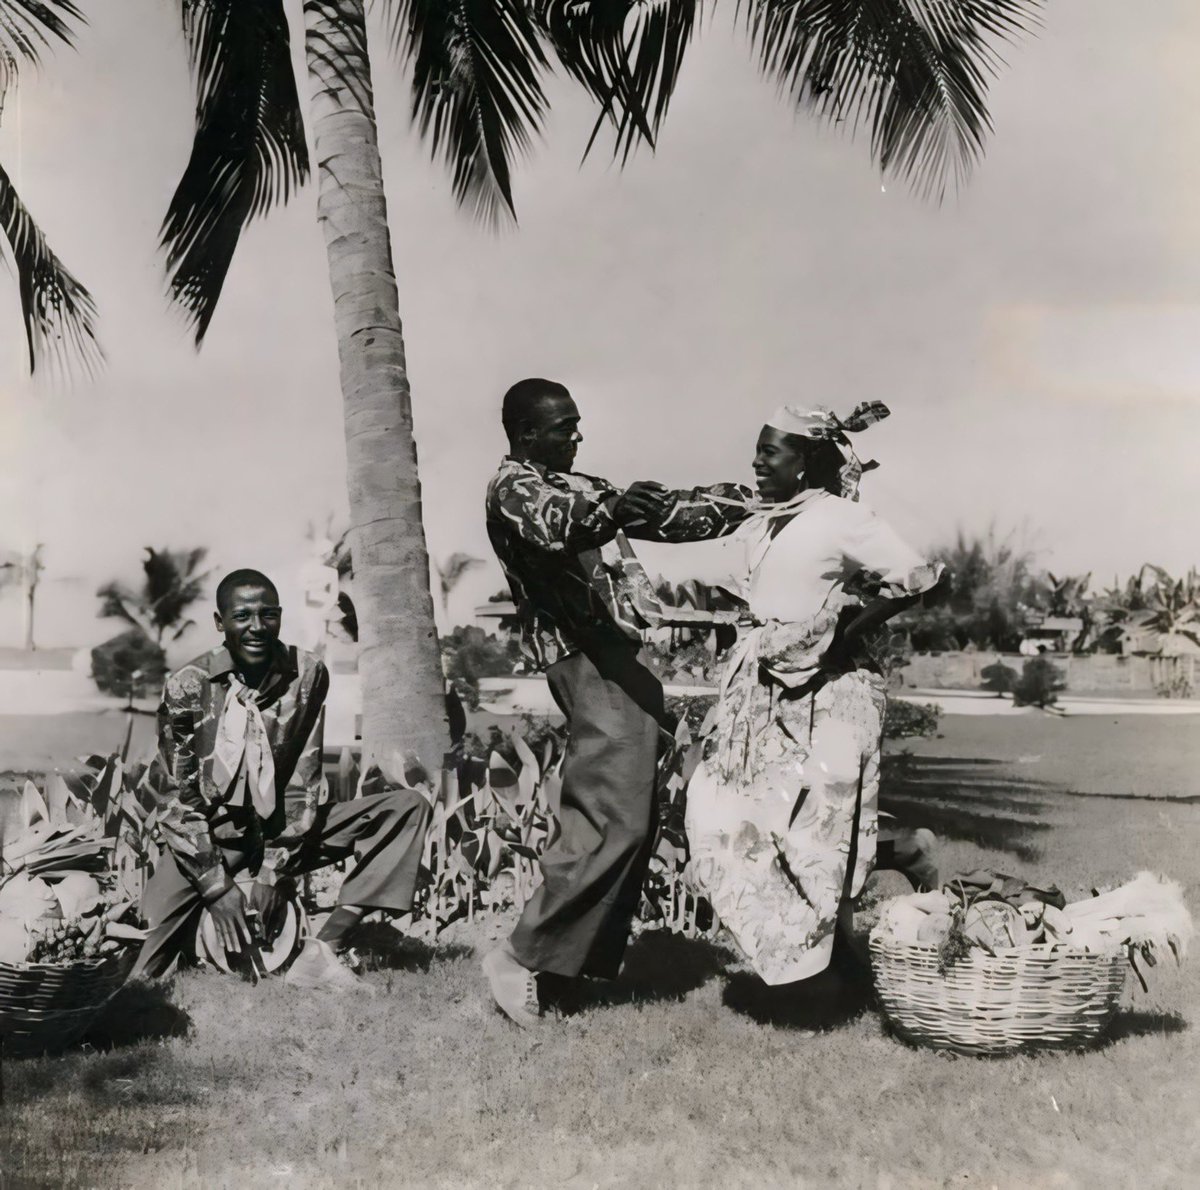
x,y
994,587
133,664
912,72
25,569
58,312
451,571
173,582
1067,597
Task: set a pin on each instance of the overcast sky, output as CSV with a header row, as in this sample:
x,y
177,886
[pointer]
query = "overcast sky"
x,y
1035,338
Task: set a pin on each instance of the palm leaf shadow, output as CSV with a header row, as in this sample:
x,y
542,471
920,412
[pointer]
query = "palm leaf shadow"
x,y
833,998
658,966
966,800
383,948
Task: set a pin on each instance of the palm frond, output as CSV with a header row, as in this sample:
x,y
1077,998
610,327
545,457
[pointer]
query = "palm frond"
x,y
914,71
328,23
452,570
116,602
58,312
171,585
627,54
182,629
248,152
477,90
27,27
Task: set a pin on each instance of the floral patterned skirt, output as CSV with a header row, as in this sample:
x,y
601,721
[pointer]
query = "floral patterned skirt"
x,y
771,845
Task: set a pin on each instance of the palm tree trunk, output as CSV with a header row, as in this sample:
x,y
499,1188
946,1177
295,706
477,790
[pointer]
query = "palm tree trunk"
x,y
404,703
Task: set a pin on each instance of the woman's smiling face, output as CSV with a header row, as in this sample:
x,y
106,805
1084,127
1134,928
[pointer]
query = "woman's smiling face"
x,y
778,464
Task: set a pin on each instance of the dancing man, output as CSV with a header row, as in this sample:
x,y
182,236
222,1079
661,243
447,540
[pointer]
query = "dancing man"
x,y
582,600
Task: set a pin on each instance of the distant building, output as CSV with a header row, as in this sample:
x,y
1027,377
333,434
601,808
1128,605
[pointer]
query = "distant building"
x,y
1053,634
501,612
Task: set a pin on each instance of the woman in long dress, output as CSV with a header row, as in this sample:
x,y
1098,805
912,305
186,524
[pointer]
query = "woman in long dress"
x,y
782,810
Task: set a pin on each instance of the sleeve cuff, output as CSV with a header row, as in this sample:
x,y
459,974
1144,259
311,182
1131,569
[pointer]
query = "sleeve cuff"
x,y
918,580
214,884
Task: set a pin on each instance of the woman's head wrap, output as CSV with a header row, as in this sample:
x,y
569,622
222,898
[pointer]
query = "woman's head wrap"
x,y
822,425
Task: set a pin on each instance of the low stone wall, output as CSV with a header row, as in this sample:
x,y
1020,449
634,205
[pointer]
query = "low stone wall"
x,y
1097,673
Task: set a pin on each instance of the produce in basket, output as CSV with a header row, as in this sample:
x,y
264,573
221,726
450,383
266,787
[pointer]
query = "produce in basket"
x,y
78,894
993,925
15,941
29,900
60,899
997,916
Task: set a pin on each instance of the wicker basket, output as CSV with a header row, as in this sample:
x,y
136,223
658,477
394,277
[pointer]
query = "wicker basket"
x,y
45,1007
997,1004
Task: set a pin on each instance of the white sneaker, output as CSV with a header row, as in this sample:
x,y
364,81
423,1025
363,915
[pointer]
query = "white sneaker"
x,y
514,988
318,968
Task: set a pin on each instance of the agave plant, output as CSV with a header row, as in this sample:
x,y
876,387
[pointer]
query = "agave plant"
x,y
492,820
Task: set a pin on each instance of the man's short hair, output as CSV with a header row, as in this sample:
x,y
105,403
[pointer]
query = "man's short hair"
x,y
522,400
242,578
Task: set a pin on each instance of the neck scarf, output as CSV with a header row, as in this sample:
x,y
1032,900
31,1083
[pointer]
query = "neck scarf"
x,y
242,760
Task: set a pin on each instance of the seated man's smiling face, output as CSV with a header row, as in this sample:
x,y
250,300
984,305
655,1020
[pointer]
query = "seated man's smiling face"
x,y
250,621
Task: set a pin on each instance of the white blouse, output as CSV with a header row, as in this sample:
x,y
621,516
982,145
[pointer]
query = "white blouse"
x,y
793,575
798,577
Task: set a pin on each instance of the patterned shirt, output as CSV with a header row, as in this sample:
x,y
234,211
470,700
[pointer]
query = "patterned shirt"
x,y
196,816
574,578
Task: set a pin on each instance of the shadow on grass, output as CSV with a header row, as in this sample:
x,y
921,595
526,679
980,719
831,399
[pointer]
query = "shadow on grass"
x,y
105,1066
835,997
957,798
140,1011
384,948
658,966
1144,1024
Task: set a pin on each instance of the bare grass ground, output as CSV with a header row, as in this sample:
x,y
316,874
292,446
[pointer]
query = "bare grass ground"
x,y
1119,755
682,1073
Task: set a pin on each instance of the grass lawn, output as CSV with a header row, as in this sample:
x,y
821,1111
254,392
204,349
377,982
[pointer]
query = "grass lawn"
x,y
1139,755
682,1073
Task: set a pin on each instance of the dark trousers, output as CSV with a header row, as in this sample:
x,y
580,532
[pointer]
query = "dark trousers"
x,y
577,922
385,833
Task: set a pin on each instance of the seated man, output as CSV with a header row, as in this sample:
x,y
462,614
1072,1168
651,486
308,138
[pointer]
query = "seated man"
x,y
240,791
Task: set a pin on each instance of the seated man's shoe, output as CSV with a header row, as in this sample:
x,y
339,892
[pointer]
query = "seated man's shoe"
x,y
317,968
514,988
